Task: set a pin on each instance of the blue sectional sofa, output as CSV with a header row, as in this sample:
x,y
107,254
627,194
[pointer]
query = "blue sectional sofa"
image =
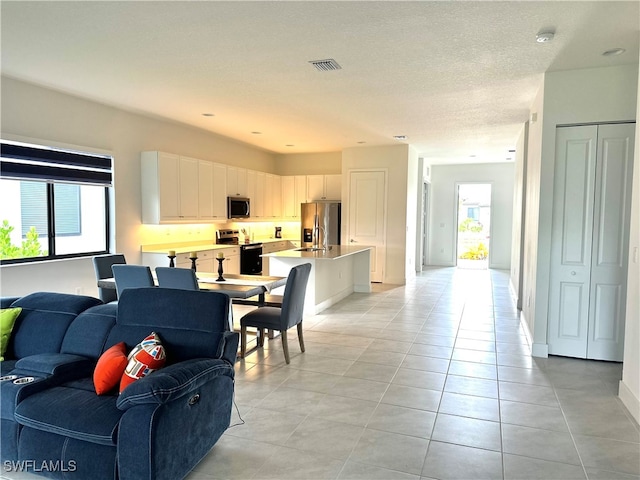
x,y
159,427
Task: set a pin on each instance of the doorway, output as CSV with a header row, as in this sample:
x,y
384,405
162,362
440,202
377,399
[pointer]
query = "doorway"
x,y
474,225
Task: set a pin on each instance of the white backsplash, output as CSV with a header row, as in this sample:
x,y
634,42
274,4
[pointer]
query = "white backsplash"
x,y
206,233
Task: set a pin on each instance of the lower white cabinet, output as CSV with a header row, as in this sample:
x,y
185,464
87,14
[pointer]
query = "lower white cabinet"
x,y
204,263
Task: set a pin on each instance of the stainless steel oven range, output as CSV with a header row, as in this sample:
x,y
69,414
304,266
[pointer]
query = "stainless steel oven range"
x,y
250,253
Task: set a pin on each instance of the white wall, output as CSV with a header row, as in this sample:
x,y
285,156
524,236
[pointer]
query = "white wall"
x,y
578,96
414,204
519,191
395,159
324,163
443,227
532,207
630,385
38,113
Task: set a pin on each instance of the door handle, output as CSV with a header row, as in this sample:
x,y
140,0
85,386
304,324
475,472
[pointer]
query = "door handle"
x,y
573,272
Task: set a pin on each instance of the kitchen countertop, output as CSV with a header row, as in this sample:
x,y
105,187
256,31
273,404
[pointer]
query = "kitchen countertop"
x,y
336,251
188,247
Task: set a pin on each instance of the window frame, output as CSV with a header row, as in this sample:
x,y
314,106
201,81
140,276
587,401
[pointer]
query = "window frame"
x,y
50,207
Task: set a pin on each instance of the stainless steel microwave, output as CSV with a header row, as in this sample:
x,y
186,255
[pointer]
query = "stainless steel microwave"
x,y
238,207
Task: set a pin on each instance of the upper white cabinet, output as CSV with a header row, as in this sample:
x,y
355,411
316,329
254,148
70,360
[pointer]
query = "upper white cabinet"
x,y
273,196
179,189
237,182
168,186
294,192
212,191
324,187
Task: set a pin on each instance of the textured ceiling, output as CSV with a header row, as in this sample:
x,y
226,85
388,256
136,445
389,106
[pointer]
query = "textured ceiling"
x,y
457,78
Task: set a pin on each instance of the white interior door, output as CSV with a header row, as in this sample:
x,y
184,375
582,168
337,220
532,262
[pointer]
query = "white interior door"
x,y
571,240
592,199
367,216
610,242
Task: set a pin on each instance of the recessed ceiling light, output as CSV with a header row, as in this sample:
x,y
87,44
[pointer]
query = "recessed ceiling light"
x,y
208,115
400,137
545,37
613,52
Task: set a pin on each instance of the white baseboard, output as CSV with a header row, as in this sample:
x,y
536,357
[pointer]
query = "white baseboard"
x,y
540,350
629,400
329,301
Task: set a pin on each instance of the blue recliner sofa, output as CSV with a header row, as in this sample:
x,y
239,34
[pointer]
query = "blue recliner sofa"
x,y
159,427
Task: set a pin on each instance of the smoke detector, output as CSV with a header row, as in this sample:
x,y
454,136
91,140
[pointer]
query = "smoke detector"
x,y
544,37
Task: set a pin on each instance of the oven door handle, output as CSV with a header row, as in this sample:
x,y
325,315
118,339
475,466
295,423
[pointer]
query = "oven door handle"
x,y
252,247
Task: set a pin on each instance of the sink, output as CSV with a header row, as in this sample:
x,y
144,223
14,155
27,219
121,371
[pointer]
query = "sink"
x,y
309,249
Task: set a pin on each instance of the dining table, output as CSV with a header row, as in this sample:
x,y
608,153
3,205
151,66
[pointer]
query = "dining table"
x,y
234,285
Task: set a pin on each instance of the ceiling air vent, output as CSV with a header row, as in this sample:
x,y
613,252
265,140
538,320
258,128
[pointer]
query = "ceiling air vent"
x,y
325,65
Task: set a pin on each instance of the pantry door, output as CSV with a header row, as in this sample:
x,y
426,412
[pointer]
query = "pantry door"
x,y
367,198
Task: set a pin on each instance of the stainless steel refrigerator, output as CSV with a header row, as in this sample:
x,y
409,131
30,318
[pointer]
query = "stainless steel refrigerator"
x,y
320,224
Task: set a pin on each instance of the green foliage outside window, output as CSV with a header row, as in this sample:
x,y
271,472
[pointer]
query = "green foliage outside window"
x,y
30,246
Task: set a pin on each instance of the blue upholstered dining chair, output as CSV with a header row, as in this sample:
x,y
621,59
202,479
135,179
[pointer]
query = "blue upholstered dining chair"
x,y
181,278
281,319
102,266
131,276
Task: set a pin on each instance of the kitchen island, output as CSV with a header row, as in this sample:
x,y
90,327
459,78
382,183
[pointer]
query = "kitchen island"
x,y
335,273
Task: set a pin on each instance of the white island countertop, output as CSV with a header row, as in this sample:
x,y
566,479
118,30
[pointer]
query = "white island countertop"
x,y
332,253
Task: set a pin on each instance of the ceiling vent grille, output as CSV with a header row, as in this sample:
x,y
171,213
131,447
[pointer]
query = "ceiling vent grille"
x,y
325,65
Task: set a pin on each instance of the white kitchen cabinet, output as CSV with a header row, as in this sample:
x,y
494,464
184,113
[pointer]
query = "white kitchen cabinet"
x,y
271,247
212,191
294,192
219,191
169,188
273,192
237,182
324,187
255,192
231,262
204,263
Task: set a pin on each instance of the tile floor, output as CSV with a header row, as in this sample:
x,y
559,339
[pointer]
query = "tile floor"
x,y
431,380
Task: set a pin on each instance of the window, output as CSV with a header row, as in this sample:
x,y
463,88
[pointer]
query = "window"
x,y
53,203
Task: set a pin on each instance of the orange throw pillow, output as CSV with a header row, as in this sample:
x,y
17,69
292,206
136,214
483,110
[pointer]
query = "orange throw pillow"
x,y
147,356
110,368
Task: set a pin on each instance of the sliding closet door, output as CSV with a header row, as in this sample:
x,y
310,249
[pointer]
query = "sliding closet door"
x,y
571,240
610,242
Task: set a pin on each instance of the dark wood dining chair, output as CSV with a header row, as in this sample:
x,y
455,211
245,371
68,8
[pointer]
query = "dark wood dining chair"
x,y
180,278
102,266
132,276
281,319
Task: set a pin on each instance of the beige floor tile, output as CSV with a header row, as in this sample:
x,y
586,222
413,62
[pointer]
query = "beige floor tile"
x,y
456,462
